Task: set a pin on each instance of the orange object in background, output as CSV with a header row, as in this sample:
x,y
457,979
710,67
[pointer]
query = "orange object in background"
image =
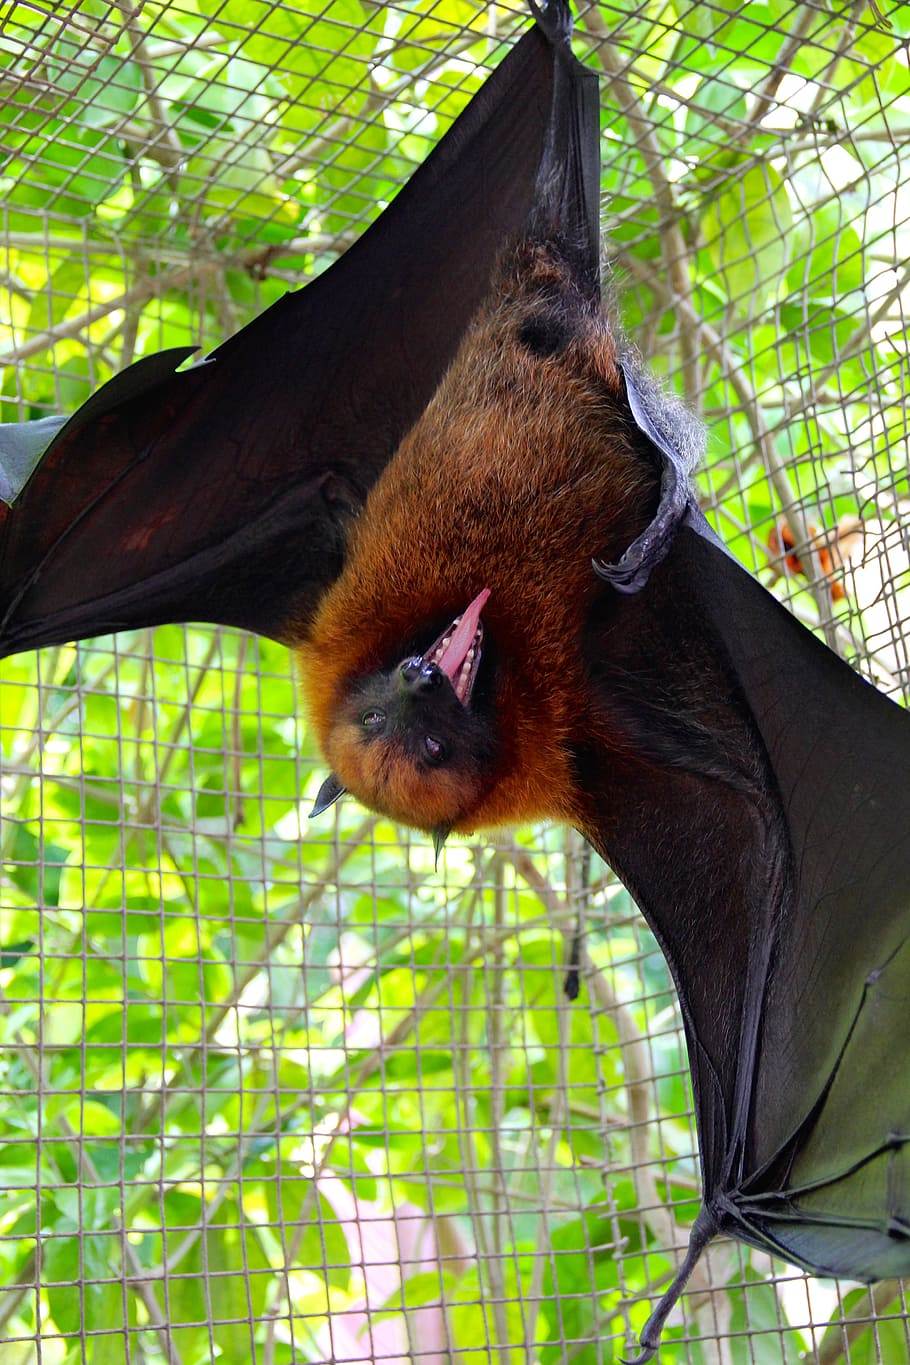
x,y
835,549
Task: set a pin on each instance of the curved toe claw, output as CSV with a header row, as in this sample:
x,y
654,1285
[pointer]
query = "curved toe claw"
x,y
648,1353
649,1340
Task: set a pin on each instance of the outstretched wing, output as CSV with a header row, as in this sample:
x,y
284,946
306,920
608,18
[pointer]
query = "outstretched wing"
x,y
758,808
824,1176
220,492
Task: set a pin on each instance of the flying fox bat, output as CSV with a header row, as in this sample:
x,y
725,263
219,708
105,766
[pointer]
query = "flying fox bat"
x,y
439,476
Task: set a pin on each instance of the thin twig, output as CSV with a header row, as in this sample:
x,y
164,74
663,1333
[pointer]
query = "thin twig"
x,y
499,1044
673,245
767,91
163,144
856,1321
64,331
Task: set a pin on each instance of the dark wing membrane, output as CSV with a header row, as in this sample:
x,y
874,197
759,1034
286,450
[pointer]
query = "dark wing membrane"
x,y
755,798
682,805
826,1168
219,493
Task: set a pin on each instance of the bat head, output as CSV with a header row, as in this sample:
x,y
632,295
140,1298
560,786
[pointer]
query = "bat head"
x,y
409,741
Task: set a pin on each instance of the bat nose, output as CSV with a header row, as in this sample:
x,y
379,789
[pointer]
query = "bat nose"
x,y
418,677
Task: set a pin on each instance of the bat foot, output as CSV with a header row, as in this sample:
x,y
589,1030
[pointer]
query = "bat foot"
x,y
703,1229
647,1354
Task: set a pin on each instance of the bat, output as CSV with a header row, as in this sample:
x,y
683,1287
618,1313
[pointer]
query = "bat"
x,y
439,474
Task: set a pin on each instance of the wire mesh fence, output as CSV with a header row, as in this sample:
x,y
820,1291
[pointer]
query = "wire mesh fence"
x,y
281,1093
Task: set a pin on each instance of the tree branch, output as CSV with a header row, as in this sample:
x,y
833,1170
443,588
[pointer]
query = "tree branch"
x,y
673,245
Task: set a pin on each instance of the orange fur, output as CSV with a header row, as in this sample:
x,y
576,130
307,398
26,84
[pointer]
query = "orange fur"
x,y
513,479
389,783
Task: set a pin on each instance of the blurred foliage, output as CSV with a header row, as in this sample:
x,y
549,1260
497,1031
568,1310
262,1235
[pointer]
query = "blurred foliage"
x,y
281,1093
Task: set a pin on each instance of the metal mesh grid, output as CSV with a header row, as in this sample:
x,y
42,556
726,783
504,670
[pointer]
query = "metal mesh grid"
x,y
272,1095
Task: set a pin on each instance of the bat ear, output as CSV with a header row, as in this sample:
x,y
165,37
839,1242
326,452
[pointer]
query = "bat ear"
x,y
439,841
677,436
327,795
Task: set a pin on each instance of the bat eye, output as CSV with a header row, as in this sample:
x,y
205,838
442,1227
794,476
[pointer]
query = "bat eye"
x,y
373,720
434,748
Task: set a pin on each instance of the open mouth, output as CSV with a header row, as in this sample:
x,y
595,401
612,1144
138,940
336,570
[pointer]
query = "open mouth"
x,y
457,651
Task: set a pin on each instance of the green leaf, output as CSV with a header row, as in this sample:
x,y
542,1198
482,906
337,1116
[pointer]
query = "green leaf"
x,y
35,865
106,89
828,258
82,1277
746,232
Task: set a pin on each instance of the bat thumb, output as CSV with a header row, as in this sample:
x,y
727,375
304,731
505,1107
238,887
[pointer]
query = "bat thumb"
x,y
327,795
439,842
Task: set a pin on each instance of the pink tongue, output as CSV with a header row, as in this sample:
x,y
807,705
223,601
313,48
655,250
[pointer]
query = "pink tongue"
x,y
453,656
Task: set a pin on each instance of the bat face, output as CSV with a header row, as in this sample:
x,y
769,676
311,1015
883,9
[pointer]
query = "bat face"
x,y
411,738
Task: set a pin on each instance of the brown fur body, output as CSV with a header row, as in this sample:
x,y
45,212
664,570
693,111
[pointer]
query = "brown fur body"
x,y
519,473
